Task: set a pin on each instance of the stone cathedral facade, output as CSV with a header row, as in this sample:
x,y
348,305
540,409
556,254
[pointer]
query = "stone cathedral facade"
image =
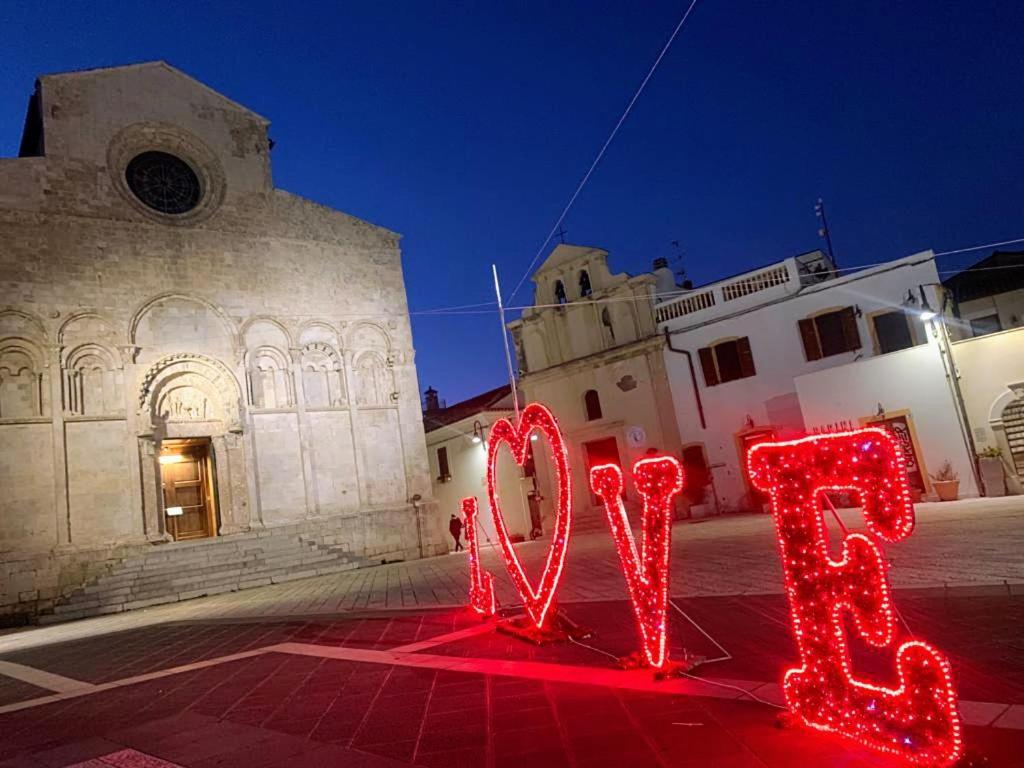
x,y
190,357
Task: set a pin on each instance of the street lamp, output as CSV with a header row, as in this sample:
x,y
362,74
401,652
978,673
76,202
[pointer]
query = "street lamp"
x,y
926,313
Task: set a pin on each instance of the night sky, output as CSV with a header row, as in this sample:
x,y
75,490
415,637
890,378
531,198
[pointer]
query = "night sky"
x,y
467,127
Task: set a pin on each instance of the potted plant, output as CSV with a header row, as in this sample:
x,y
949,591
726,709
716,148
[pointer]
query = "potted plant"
x,y
946,482
993,475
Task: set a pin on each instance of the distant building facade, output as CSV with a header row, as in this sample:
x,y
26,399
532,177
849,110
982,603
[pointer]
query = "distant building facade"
x,y
988,297
187,352
457,438
590,350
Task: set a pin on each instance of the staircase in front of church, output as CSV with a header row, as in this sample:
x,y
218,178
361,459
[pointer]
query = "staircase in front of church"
x,y
169,573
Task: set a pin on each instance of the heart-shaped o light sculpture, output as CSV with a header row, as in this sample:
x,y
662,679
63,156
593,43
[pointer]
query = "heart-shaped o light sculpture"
x,y
538,600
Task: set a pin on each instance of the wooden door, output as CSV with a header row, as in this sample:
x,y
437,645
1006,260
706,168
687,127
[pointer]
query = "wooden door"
x,y
186,485
603,451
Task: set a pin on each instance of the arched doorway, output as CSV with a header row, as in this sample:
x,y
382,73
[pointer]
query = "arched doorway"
x,y
1013,424
192,458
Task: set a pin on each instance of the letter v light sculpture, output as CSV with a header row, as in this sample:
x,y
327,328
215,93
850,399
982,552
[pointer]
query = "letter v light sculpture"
x,y
658,480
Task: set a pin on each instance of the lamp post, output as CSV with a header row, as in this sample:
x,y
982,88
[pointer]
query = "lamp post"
x,y
936,319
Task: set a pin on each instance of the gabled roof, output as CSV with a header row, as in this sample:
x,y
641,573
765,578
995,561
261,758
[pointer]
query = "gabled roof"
x,y
565,253
497,399
153,65
999,272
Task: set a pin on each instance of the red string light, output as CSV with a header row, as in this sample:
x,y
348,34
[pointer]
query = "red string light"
x,y
657,480
918,720
538,602
481,583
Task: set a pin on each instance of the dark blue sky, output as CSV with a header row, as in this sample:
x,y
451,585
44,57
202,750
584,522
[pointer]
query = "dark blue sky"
x,y
467,127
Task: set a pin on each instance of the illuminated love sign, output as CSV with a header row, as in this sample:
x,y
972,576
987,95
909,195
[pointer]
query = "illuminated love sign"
x,y
535,417
481,583
657,480
918,720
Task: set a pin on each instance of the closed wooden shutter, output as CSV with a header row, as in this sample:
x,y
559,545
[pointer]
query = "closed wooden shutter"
x,y
746,357
444,473
707,364
809,336
851,336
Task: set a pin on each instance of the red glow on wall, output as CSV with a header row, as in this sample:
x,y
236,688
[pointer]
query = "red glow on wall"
x,y
657,480
918,719
535,417
481,583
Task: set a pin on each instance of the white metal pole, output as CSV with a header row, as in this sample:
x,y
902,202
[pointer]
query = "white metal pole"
x,y
504,337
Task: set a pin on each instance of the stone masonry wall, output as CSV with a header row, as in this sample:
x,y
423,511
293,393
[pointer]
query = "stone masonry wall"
x,y
274,326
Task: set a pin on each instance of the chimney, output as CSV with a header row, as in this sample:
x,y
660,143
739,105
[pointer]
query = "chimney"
x,y
664,279
431,402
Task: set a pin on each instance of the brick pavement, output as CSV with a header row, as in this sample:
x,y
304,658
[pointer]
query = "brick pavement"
x,y
440,688
969,543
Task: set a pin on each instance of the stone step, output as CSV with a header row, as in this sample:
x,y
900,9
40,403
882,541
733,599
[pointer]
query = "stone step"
x,y
214,576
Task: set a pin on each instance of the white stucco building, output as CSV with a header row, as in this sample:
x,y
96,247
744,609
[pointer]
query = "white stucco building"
x,y
743,354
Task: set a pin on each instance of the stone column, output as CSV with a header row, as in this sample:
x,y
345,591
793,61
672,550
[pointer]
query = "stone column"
x,y
60,456
306,454
229,461
353,416
152,492
131,442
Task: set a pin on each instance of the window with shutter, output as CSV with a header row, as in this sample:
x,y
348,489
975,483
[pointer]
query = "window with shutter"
x,y
892,331
830,333
851,334
443,472
727,361
746,358
707,364
809,336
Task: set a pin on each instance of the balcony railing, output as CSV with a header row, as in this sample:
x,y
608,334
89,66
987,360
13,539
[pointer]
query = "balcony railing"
x,y
719,294
685,305
761,281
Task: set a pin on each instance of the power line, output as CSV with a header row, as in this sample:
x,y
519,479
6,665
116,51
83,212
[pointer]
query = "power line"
x,y
608,141
982,247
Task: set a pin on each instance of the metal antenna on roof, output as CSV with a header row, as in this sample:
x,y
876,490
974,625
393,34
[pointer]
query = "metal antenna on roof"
x,y
504,337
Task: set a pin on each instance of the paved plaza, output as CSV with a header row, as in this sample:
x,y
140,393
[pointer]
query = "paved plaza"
x,y
385,667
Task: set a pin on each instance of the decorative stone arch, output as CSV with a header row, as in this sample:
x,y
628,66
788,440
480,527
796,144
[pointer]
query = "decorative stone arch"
x,y
268,372
193,396
148,304
363,334
1005,420
24,379
318,325
24,325
375,385
252,321
80,317
210,376
323,376
93,380
75,356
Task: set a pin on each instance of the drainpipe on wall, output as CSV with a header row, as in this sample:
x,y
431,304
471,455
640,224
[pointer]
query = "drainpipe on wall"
x,y
693,377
